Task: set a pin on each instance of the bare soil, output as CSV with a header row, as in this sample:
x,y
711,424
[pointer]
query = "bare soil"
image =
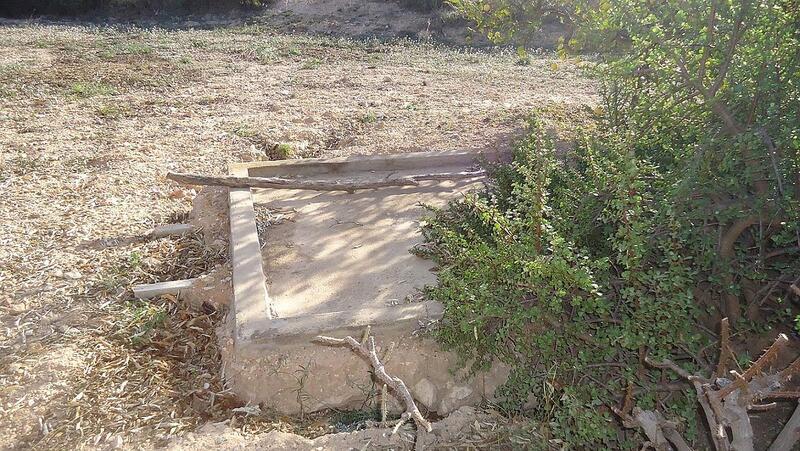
x,y
92,117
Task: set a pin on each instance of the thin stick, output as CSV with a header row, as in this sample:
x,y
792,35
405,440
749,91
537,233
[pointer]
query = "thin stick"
x,y
755,368
398,386
315,185
724,353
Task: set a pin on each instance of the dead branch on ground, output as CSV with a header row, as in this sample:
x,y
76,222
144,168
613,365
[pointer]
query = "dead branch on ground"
x,y
660,432
726,402
316,185
366,349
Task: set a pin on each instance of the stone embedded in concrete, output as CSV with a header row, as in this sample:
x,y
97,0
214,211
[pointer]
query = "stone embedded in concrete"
x,y
213,288
306,377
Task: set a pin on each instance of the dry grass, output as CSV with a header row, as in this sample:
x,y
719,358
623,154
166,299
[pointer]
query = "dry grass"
x,y
91,119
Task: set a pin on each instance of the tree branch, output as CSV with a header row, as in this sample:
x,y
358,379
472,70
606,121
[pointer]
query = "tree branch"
x,y
366,349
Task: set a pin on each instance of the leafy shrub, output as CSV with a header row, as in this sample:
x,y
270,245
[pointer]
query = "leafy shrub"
x,y
683,208
563,271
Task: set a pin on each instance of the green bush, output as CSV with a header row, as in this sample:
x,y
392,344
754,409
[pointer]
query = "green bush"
x,y
682,209
563,271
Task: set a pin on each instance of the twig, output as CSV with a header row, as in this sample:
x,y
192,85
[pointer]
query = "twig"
x,y
724,349
658,430
718,433
367,350
756,367
670,365
315,185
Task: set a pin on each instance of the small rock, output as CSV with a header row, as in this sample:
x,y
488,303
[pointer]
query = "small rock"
x,y
177,194
74,274
63,328
425,392
18,308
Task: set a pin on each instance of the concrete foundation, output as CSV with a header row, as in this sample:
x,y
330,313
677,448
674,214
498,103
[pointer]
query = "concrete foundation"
x,y
340,263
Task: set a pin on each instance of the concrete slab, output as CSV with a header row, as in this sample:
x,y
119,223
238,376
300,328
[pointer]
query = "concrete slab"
x,y
341,252
345,251
340,263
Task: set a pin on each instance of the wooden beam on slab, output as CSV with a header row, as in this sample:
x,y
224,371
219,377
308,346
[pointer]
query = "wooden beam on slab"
x,y
316,185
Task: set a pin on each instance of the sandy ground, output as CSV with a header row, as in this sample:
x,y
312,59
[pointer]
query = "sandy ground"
x,y
91,118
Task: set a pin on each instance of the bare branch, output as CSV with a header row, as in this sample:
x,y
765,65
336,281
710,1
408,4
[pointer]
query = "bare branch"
x,y
757,367
724,348
738,31
367,350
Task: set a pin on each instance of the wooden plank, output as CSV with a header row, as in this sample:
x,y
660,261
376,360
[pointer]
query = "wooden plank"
x,y
316,185
171,229
151,290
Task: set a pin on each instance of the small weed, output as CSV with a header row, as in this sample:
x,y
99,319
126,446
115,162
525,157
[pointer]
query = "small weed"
x,y
523,58
198,43
127,48
244,131
90,89
107,54
23,163
42,43
271,149
10,70
135,48
142,318
185,60
369,118
263,54
312,63
135,260
109,111
249,29
281,151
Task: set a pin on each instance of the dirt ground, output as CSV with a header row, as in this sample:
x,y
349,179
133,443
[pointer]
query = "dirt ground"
x,y
92,117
